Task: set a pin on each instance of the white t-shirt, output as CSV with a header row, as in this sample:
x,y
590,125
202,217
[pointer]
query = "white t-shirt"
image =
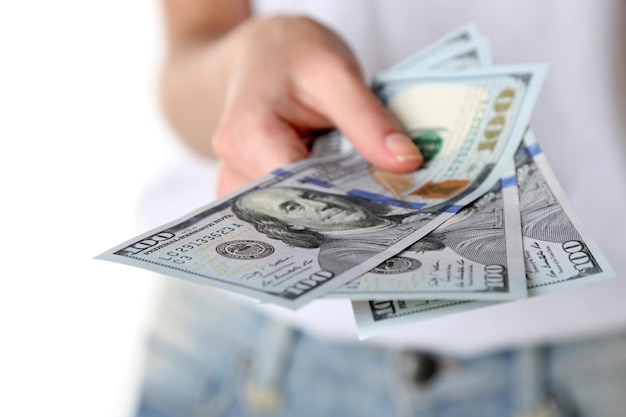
x,y
576,120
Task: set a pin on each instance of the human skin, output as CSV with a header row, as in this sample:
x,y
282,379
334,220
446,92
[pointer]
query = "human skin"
x,y
246,90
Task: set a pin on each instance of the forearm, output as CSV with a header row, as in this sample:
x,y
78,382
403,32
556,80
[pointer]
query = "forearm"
x,y
193,88
199,60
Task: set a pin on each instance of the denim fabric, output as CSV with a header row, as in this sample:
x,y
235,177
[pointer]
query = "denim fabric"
x,y
209,356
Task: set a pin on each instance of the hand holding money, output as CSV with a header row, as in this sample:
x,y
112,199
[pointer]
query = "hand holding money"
x,y
266,83
335,225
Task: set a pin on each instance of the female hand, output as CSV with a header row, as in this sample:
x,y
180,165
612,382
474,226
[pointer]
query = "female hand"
x,y
292,76
281,78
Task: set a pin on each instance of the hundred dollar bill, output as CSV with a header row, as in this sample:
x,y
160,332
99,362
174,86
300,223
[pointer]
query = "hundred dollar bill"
x,y
476,254
438,111
309,228
446,57
467,36
449,58
407,274
558,252
458,58
486,231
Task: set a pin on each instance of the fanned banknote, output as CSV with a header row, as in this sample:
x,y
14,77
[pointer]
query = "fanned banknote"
x,y
558,252
310,228
396,312
458,58
491,270
433,56
475,254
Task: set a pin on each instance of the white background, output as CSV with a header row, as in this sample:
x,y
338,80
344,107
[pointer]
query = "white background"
x,y
81,135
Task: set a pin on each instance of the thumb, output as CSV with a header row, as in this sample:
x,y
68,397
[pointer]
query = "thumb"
x,y
368,125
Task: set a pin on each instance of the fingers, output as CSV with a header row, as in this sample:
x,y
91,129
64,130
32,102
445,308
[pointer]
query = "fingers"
x,y
228,180
281,90
254,138
253,143
359,115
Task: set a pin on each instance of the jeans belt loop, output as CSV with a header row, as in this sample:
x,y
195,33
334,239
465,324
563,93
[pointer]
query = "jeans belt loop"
x,y
262,390
530,384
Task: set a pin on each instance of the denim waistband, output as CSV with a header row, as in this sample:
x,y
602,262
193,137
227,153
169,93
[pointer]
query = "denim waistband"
x,y
209,355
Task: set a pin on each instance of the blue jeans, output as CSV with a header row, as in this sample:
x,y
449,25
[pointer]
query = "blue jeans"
x,y
211,357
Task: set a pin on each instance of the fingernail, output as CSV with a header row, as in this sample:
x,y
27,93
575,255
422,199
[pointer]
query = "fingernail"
x,y
402,147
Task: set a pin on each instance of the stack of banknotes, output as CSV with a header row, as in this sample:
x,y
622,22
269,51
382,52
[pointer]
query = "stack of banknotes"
x,y
484,220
